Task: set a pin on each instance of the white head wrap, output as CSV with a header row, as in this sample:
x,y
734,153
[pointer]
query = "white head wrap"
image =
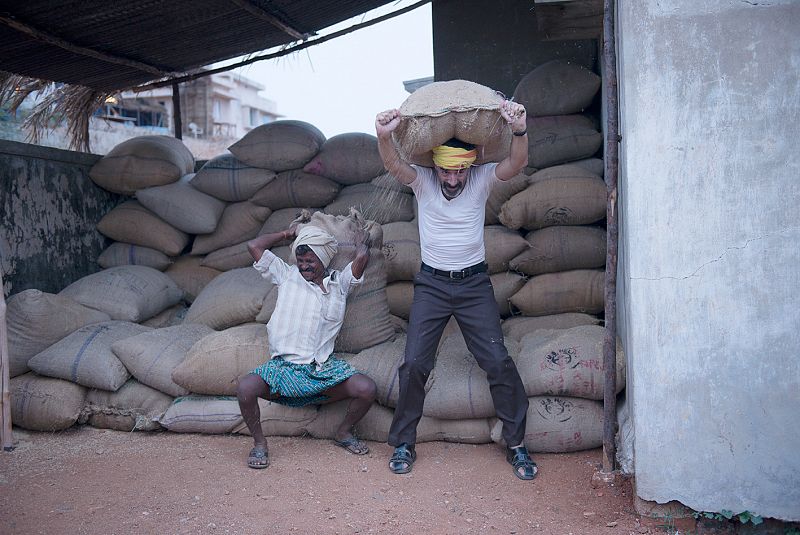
x,y
323,244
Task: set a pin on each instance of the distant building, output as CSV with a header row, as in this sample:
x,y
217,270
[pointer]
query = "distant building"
x,y
413,85
224,105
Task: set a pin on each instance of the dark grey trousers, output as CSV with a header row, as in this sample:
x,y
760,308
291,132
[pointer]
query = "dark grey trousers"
x,y
472,302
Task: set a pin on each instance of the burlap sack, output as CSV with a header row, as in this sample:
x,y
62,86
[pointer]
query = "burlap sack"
x,y
593,165
558,201
566,362
400,296
500,194
127,254
557,88
130,293
142,162
228,258
215,362
280,220
35,320
281,421
561,138
280,145
562,248
518,326
458,386
374,203
45,404
560,425
366,321
134,407
504,285
85,356
239,222
183,206
169,317
232,298
190,275
152,356
375,425
566,170
458,109
380,363
130,222
400,325
228,179
402,251
296,188
348,159
501,245
213,415
580,290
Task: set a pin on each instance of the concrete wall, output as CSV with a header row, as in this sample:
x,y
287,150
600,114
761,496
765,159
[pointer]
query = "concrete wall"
x,y
710,184
48,211
496,43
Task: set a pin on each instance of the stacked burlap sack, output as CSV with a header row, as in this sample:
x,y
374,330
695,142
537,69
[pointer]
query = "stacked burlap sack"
x,y
161,335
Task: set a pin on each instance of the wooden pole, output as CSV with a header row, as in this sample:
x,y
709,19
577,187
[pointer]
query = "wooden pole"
x,y
611,170
6,438
176,111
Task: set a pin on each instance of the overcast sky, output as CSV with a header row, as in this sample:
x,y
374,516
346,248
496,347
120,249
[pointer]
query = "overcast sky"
x,y
339,86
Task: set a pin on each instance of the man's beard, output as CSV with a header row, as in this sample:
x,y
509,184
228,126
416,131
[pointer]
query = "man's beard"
x,y
452,193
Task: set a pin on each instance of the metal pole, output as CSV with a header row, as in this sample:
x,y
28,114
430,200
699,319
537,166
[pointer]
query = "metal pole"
x,y
176,111
6,438
611,169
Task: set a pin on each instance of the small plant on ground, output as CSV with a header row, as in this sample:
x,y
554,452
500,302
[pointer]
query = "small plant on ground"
x,y
726,516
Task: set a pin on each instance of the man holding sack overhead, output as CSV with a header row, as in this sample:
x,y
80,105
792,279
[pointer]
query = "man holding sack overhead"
x,y
453,281
302,369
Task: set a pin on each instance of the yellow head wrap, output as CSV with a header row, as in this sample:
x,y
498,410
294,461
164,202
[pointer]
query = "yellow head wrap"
x,y
453,157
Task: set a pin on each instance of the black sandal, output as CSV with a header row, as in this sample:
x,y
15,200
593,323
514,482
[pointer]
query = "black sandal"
x,y
403,459
258,458
524,467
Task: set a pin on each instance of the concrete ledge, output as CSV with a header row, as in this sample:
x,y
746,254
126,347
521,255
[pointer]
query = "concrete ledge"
x,y
27,150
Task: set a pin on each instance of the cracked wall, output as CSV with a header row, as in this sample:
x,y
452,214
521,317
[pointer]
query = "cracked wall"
x,y
710,182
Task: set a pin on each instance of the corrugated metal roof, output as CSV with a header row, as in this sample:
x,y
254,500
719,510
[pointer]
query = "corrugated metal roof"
x,y
172,36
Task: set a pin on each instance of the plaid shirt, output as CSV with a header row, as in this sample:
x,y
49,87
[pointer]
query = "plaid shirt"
x,y
306,320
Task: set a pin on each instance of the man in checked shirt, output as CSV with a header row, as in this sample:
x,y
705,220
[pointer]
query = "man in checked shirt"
x,y
302,369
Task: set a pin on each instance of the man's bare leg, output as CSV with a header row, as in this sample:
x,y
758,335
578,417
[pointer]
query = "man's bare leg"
x,y
361,390
250,388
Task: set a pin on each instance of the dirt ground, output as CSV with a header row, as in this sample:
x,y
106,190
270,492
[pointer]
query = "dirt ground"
x,y
87,480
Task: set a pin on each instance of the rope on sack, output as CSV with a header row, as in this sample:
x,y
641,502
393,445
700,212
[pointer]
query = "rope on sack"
x,y
141,421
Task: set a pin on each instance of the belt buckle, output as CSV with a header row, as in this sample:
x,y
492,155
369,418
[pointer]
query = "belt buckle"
x,y
457,275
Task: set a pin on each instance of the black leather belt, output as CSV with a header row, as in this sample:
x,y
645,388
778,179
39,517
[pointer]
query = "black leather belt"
x,y
457,274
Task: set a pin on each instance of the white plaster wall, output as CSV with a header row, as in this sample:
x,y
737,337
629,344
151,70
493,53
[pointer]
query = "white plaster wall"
x,y
710,268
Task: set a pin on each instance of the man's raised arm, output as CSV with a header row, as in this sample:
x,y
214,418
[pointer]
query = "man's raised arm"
x,y
258,245
385,123
517,158
362,253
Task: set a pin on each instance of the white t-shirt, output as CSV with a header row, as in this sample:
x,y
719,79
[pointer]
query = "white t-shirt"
x,y
451,231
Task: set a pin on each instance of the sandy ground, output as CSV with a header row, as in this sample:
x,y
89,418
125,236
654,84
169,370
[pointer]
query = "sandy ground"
x,y
86,480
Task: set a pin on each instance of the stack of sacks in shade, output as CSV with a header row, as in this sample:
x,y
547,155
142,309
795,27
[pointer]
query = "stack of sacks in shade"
x,y
561,200
66,340
129,340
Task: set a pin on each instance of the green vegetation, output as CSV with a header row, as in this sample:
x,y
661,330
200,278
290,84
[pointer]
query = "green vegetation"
x,y
725,516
